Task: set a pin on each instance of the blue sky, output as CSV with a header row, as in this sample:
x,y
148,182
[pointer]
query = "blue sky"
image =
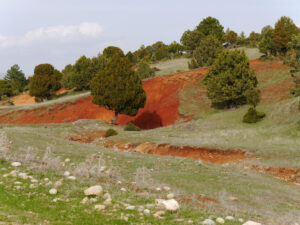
x,y
59,31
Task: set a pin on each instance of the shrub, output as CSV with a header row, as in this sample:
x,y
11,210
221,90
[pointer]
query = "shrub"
x,y
144,70
132,127
253,116
110,132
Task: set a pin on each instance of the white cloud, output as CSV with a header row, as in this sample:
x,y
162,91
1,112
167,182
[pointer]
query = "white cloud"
x,y
59,33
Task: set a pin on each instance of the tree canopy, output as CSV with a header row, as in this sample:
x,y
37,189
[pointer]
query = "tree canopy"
x,y
17,78
229,78
211,26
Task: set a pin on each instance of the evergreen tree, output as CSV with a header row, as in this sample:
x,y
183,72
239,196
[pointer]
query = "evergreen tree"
x,y
118,88
5,89
283,32
17,77
229,78
211,26
81,74
190,40
144,70
204,55
266,45
43,83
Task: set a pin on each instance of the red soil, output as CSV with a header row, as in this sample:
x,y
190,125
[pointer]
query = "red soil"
x,y
161,108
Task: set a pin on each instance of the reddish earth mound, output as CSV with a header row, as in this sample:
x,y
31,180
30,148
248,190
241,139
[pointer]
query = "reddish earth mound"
x,y
88,136
161,108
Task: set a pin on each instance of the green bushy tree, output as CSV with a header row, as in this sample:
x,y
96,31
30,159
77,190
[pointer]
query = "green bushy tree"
x,y
5,88
17,78
81,74
211,26
283,32
229,78
230,36
118,88
144,70
266,44
43,83
190,40
204,55
253,39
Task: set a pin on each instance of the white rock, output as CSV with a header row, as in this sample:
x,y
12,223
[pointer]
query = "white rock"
x,y
13,173
130,207
49,183
123,189
18,187
99,207
93,200
147,211
16,164
5,175
71,178
102,168
170,196
46,179
208,222
251,223
159,203
141,208
34,180
107,196
85,200
171,204
158,214
220,220
94,190
158,189
32,186
190,221
58,183
18,182
229,218
119,182
241,220
23,176
166,188
67,160
53,191
67,173
107,202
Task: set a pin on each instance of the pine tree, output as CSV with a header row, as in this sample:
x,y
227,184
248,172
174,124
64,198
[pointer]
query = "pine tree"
x,y
229,79
118,88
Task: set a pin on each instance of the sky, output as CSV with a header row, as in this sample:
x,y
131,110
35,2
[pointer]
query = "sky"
x,y
60,31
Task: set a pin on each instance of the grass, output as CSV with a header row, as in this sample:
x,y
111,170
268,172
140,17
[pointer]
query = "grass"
x,y
171,66
252,53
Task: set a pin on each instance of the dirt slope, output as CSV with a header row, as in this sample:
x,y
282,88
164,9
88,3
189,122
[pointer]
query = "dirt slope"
x,y
162,104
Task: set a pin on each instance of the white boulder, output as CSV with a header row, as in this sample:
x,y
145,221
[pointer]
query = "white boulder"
x,y
220,220
53,191
251,223
67,173
16,164
208,222
171,204
94,190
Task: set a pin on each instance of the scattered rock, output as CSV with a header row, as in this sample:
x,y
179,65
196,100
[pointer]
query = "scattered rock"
x,y
107,202
158,214
67,160
220,220
147,211
251,223
34,180
53,191
32,186
49,183
130,207
18,183
208,222
190,221
71,178
166,188
23,176
67,173
171,204
46,179
94,190
107,196
123,189
58,183
158,189
241,220
170,196
229,218
93,200
234,199
13,173
141,208
16,164
85,200
100,207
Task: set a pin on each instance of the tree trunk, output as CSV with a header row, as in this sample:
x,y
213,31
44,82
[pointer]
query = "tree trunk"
x,y
113,121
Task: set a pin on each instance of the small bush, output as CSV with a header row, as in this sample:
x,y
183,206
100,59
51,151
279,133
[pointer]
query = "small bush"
x,y
252,116
110,132
132,127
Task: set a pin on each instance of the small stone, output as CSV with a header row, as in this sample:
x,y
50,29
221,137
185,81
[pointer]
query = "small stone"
x,y
107,196
93,200
229,218
234,199
53,191
58,183
107,202
67,160
94,190
251,223
100,207
18,183
71,178
23,176
170,196
147,211
141,208
158,214
220,220
16,164
102,168
46,179
208,222
171,204
67,173
32,186
123,189
190,221
150,206
34,180
119,182
85,200
13,173
158,189
49,183
130,207
241,220
166,188
18,187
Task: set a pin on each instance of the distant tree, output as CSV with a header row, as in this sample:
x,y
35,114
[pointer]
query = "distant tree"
x,y
160,53
111,51
242,39
81,73
5,88
293,60
191,40
143,53
229,78
283,32
43,83
231,36
66,76
131,58
144,70
266,44
211,26
207,51
17,78
175,49
118,88
253,39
